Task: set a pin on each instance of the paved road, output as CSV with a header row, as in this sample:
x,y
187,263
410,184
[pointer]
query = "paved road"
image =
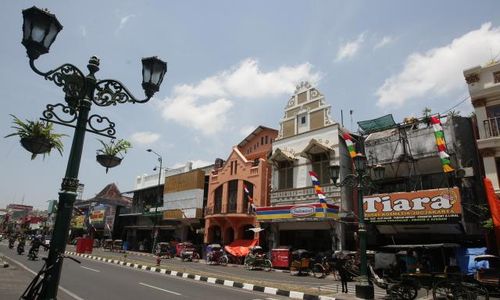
x,y
97,280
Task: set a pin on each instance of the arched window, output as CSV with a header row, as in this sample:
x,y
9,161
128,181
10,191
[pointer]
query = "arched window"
x,y
232,196
320,163
218,200
249,187
285,175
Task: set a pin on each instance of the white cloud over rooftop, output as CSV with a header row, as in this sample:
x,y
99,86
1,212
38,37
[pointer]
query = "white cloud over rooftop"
x,y
439,71
203,106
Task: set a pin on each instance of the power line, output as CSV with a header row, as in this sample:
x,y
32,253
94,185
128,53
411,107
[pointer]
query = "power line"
x,y
454,106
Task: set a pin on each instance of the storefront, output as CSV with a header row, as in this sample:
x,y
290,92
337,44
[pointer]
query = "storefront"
x,y
306,226
422,216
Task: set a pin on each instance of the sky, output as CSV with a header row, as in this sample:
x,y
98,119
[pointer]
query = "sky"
x,y
232,66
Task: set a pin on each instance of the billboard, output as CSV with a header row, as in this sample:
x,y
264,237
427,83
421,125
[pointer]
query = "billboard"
x,y
97,216
424,206
77,222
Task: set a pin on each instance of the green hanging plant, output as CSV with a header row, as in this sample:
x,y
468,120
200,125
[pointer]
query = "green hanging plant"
x,y
37,136
119,147
108,157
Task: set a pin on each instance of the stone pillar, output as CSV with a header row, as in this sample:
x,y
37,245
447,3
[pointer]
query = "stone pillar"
x,y
225,199
239,198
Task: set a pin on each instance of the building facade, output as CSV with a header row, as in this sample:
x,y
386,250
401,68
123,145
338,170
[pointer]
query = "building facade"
x,y
229,213
484,89
308,140
419,201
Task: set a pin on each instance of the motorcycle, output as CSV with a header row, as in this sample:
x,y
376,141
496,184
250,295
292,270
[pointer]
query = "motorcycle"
x,y
33,254
11,243
20,248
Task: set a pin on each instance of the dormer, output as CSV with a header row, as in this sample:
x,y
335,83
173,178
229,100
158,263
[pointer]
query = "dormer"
x,y
306,110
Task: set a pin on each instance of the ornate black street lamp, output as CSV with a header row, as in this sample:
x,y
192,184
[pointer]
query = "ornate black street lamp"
x,y
40,29
359,180
158,201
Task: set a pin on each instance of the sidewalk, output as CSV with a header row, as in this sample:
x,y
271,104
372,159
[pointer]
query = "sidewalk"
x,y
14,279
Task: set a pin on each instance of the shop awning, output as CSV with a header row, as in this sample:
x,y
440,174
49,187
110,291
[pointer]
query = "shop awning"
x,y
410,246
240,247
378,124
315,147
281,155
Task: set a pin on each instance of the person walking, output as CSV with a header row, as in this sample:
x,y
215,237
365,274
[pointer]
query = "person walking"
x,y
343,273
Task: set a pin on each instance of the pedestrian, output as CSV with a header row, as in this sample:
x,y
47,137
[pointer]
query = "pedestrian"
x,y
343,273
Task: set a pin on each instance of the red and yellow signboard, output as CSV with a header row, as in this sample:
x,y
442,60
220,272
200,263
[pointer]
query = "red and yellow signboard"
x,y
437,205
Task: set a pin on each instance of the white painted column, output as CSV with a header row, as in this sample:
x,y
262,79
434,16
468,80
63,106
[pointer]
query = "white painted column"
x,y
490,169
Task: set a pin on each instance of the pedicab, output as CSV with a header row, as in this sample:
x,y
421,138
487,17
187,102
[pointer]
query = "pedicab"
x,y
117,246
216,256
164,250
189,252
108,244
257,259
301,262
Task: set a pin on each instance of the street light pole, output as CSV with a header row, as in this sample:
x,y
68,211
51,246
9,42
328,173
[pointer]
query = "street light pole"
x,y
158,200
359,180
40,29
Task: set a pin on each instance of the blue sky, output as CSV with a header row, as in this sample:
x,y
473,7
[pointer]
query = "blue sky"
x,y
232,65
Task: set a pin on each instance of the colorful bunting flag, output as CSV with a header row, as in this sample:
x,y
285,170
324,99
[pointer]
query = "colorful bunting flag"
x,y
350,145
250,199
317,189
441,144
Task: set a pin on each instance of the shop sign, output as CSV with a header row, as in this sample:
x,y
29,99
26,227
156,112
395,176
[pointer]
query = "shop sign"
x,y
291,213
172,214
429,206
302,211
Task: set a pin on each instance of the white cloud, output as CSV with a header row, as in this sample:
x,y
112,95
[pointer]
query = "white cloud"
x,y
386,40
123,21
440,70
144,138
349,49
246,130
203,106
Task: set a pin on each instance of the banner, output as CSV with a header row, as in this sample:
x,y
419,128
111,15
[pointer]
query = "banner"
x,y
302,212
97,216
77,222
425,206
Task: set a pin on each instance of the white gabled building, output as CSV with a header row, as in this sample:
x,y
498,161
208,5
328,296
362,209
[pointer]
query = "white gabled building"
x,y
308,140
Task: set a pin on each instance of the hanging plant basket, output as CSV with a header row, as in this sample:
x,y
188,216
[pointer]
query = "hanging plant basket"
x,y
108,161
37,144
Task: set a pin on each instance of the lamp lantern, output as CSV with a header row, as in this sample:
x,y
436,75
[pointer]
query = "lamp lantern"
x,y
378,172
334,172
153,71
40,29
360,162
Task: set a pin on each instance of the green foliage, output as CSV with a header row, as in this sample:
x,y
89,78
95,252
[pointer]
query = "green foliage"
x,y
488,224
31,129
113,149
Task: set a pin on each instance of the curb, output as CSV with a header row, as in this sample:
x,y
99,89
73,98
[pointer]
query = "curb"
x,y
213,280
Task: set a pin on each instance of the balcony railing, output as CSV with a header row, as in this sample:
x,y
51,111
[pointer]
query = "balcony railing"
x,y
491,127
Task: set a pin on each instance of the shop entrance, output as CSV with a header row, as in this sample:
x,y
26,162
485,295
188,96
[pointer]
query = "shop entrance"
x,y
312,240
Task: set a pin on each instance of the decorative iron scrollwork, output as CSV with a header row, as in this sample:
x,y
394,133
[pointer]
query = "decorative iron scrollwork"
x,y
67,76
50,113
95,126
69,184
111,92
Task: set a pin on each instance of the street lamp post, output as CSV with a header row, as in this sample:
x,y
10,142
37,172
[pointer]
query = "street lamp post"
x,y
158,200
40,29
359,180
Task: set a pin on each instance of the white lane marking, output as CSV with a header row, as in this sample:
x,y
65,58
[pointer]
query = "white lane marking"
x,y
90,269
34,273
160,289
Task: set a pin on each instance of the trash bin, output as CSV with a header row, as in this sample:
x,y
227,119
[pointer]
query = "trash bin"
x,y
280,257
79,245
